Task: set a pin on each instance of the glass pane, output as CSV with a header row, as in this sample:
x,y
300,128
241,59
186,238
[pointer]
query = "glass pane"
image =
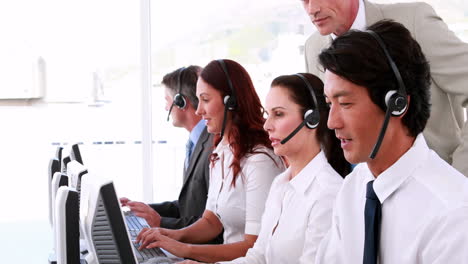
x,y
266,37
194,33
70,74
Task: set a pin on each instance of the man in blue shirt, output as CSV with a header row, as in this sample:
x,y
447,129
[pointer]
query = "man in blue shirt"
x,y
181,102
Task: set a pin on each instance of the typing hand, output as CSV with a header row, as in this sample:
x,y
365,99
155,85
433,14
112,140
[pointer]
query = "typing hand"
x,y
124,201
143,210
156,237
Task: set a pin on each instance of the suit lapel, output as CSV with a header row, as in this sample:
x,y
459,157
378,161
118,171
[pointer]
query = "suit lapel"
x,y
196,154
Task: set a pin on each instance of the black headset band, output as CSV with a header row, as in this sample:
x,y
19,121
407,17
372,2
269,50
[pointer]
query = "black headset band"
x,y
314,109
224,67
401,93
401,84
311,90
179,95
179,80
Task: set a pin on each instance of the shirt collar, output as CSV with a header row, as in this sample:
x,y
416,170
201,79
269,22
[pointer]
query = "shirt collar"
x,y
196,131
221,148
393,177
360,20
306,176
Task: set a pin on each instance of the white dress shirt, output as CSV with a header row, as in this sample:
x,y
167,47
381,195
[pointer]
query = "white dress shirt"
x,y
297,216
240,208
424,212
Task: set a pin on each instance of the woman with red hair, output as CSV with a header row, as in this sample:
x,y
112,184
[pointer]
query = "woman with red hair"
x,y
243,166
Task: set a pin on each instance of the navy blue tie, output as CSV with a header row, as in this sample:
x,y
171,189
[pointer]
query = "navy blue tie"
x,y
373,217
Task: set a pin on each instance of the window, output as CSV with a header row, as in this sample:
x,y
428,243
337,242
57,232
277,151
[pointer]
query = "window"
x,y
71,73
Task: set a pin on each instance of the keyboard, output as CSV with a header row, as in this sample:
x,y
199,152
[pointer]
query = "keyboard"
x,y
134,225
146,253
134,222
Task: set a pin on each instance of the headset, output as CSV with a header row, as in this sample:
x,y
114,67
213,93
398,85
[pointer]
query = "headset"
x,y
230,101
311,116
396,101
179,98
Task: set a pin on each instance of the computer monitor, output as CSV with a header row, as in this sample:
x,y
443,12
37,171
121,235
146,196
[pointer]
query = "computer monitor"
x,y
59,153
103,224
75,153
58,180
67,233
75,172
54,167
65,161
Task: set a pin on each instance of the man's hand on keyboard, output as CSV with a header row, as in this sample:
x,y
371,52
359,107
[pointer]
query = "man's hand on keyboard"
x,y
124,201
158,237
143,210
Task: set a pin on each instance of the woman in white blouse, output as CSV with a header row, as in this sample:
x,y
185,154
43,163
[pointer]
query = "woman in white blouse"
x,y
243,167
298,210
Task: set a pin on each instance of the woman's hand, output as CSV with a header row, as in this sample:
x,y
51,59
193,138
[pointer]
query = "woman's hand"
x,y
158,237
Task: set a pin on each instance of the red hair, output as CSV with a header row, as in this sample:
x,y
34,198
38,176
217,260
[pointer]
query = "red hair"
x,y
246,132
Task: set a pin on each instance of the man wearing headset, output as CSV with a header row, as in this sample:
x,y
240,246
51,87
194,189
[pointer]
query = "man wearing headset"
x,y
402,203
446,131
182,102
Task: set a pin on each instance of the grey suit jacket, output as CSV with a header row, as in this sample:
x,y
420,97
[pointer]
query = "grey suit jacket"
x,y
192,198
446,131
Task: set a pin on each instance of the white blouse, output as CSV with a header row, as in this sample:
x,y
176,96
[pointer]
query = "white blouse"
x,y
297,215
240,208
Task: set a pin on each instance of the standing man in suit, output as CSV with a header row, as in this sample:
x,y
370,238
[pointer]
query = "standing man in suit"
x,y
402,203
182,102
446,131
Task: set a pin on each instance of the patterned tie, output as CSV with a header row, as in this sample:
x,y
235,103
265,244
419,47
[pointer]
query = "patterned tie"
x,y
373,217
188,152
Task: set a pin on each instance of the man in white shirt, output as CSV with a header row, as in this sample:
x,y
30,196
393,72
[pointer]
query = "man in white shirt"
x,y
447,130
405,204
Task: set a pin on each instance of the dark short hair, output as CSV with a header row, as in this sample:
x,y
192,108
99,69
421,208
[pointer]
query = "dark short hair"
x,y
299,93
357,57
188,79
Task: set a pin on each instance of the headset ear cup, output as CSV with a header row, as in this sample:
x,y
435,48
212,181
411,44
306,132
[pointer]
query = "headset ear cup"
x,y
229,102
396,103
179,101
311,118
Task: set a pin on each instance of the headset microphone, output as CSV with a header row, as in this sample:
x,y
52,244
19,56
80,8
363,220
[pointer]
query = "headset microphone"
x,y
179,99
381,135
307,119
169,113
311,116
230,102
395,101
